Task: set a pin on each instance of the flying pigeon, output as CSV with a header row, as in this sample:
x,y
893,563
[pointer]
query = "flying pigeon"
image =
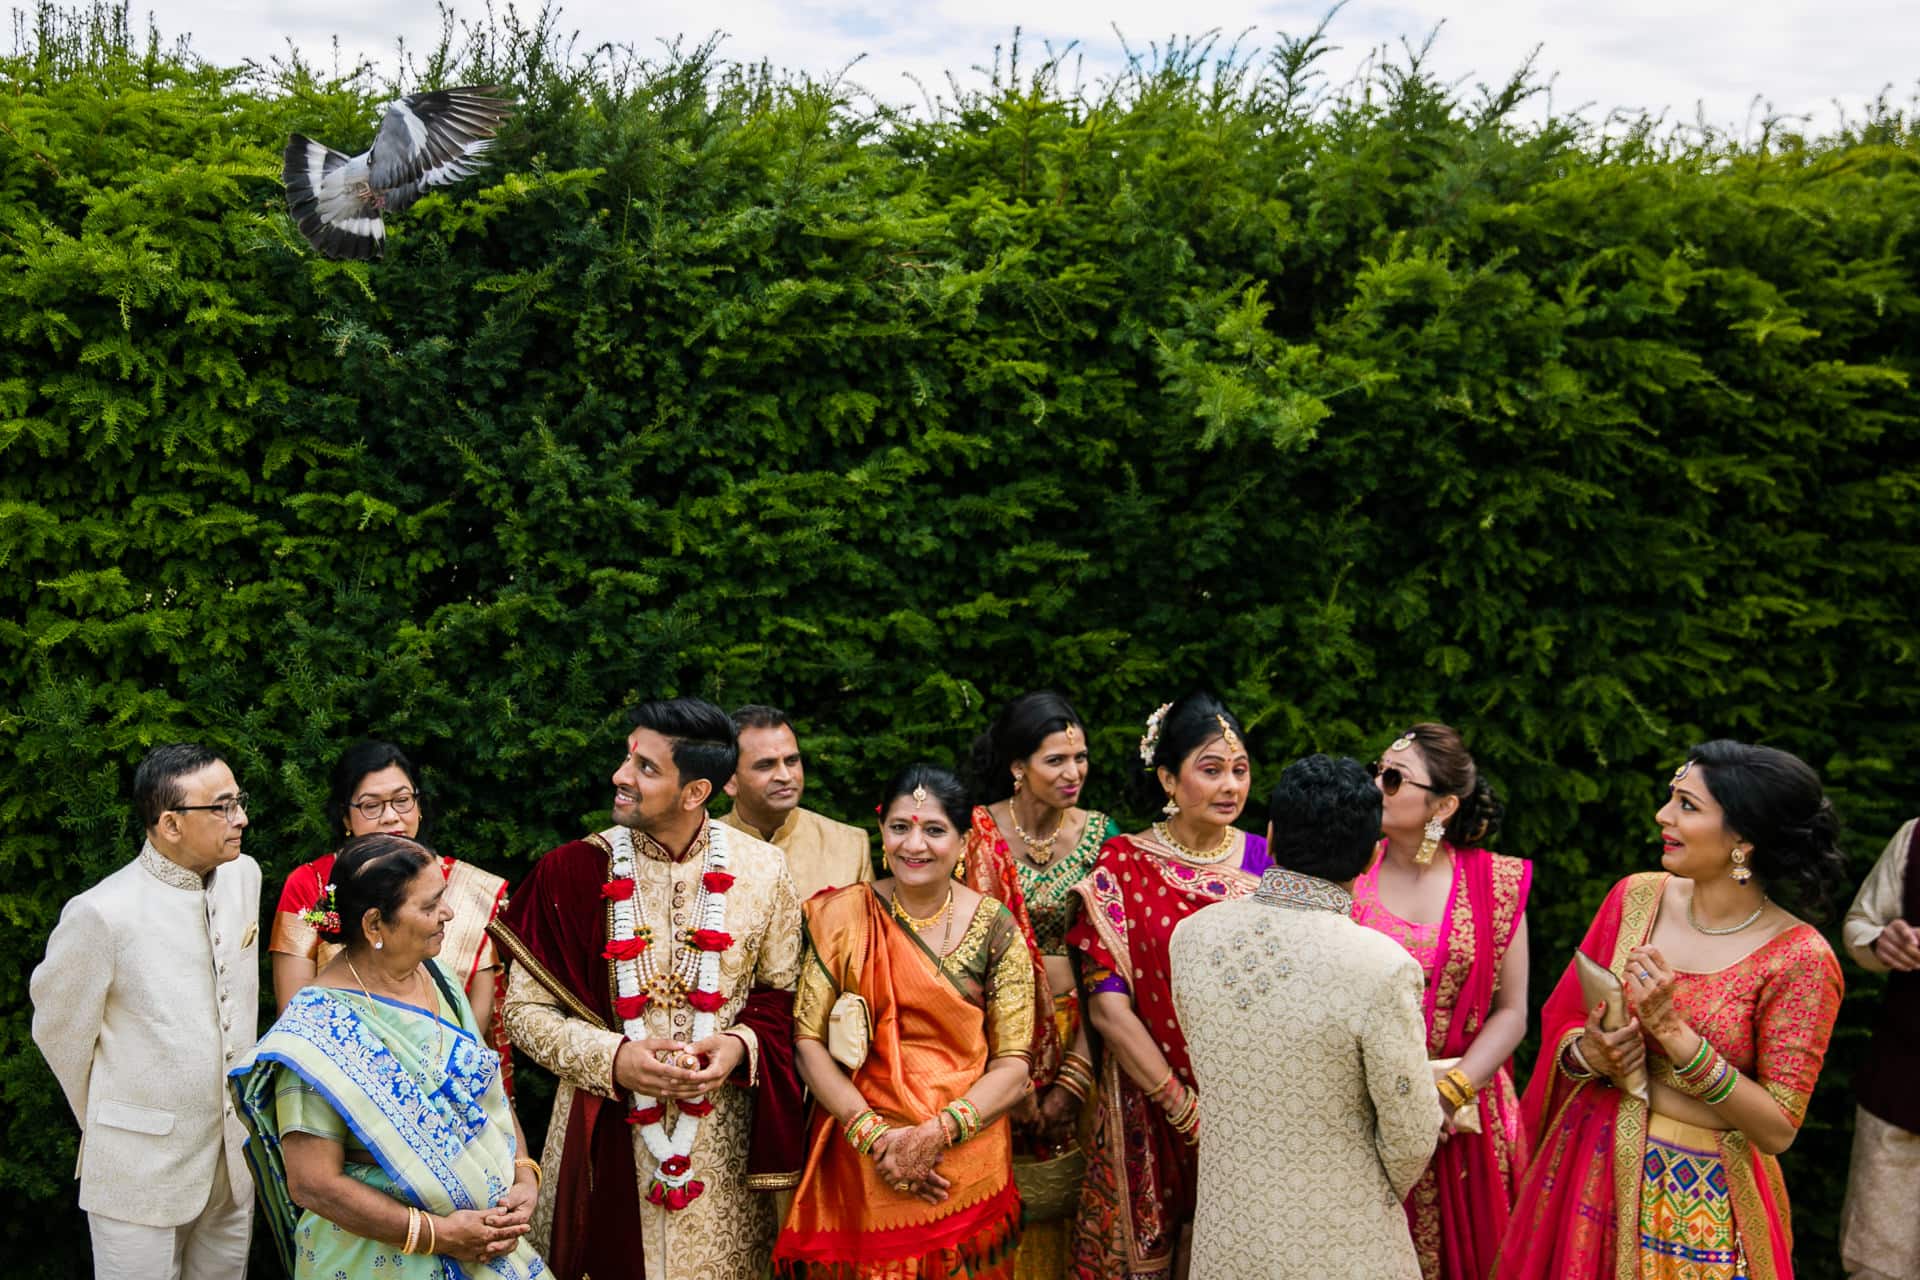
x,y
425,140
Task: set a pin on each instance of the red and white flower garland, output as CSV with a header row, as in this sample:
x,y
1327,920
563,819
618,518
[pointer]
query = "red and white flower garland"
x,y
674,1185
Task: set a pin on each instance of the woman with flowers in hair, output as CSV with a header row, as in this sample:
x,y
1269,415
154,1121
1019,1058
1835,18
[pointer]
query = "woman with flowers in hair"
x,y
913,1020
379,1128
1461,912
1656,1145
1138,1196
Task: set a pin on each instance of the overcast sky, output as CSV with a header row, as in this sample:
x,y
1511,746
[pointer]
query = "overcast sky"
x,y
1677,56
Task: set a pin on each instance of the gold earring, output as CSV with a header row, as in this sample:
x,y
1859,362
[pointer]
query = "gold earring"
x,y
1019,781
960,868
1741,873
1172,807
1430,845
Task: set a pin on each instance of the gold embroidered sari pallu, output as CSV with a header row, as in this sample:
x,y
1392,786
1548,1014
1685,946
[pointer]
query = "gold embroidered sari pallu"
x,y
932,1039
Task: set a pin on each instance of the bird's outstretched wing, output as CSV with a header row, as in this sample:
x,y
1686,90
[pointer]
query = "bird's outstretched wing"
x,y
326,194
430,139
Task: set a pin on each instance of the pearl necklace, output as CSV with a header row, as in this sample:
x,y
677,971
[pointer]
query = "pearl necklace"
x,y
1725,930
1219,851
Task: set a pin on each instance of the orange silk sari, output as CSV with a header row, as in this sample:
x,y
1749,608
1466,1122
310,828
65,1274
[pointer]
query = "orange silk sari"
x,y
929,1047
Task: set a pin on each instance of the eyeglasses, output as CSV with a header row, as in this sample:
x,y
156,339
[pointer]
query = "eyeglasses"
x,y
1390,779
227,809
403,803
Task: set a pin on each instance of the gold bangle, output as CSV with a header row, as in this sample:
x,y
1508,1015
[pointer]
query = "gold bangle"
x,y
413,1229
526,1162
1161,1088
433,1237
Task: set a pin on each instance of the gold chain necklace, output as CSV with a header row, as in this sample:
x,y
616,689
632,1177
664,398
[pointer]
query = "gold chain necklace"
x,y
1726,929
1035,846
1161,830
431,1007
914,922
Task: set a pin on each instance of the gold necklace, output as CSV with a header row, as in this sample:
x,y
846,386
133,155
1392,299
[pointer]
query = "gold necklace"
x,y
1218,852
1034,846
431,1007
914,922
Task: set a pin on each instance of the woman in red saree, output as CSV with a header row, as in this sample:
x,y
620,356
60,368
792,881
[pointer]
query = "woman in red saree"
x,y
1137,1200
375,788
1030,844
1733,999
1461,912
947,983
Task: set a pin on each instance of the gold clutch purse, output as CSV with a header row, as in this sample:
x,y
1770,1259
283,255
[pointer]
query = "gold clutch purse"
x,y
1599,986
849,1031
1467,1118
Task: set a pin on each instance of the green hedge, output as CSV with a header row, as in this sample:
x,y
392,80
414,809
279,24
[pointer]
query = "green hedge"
x,y
1361,405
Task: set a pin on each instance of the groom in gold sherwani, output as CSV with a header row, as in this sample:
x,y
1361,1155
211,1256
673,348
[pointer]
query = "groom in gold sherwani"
x,y
604,1210
1318,1110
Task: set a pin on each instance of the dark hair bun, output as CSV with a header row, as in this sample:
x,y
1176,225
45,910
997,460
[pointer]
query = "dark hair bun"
x,y
1476,823
371,873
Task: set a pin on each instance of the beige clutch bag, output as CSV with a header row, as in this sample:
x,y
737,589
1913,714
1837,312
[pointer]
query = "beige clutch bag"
x,y
1599,986
1467,1118
849,1031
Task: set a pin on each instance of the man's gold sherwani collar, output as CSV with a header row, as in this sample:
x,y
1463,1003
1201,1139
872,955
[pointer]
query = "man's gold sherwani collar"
x,y
1282,888
647,847
169,872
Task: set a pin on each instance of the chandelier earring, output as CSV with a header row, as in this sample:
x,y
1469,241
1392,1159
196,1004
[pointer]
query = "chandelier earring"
x,y
1741,872
960,868
1172,807
1019,781
1430,843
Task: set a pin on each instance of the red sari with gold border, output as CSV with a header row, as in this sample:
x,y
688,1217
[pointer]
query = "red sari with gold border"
x,y
1139,1186
1580,1209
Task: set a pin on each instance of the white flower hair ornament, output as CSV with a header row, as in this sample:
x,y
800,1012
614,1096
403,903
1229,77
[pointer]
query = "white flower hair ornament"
x,y
1151,738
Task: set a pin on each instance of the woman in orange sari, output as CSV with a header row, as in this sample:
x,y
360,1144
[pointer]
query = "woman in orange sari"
x,y
1031,843
1137,1201
376,789
909,1172
1733,999
1462,913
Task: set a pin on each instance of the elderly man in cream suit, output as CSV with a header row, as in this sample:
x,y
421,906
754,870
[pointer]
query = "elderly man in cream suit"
x,y
1317,1105
149,992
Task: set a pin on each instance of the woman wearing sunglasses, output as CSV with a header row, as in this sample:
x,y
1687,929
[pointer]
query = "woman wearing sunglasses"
x,y
1461,912
375,789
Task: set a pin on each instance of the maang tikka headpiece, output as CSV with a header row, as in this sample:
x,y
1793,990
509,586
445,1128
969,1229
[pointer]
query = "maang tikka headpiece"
x,y
1685,768
1226,731
1073,735
1402,742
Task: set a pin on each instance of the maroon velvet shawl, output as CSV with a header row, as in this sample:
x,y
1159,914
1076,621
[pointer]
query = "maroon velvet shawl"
x,y
556,925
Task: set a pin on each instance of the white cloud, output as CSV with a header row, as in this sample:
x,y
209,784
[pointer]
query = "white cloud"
x,y
1802,56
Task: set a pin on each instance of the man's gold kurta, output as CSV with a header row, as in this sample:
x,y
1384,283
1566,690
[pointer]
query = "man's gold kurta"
x,y
727,1233
821,853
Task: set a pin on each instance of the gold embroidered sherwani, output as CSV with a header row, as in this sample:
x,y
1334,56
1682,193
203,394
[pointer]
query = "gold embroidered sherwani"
x,y
821,853
727,1233
1317,1110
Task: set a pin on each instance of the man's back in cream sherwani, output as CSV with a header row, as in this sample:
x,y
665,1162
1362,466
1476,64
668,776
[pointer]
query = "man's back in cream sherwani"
x,y
1318,1110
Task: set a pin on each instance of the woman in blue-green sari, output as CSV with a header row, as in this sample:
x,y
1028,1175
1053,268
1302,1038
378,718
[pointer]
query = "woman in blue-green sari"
x,y
382,1141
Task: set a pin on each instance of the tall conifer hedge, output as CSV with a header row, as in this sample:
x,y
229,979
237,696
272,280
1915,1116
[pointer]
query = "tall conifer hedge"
x,y
1362,406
